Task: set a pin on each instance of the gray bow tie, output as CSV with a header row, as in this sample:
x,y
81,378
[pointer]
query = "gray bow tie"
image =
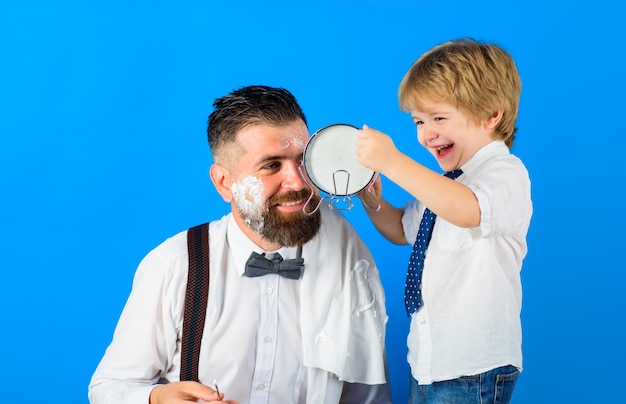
x,y
259,265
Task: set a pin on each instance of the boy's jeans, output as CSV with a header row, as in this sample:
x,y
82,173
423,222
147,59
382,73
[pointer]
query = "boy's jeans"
x,y
495,386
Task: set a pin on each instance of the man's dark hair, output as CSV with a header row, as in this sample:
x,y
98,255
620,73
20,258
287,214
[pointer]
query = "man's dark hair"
x,y
249,106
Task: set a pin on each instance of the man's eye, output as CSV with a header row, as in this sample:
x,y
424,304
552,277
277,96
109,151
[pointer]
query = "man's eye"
x,y
271,166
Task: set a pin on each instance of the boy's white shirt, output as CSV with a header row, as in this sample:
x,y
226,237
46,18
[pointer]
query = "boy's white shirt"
x,y
471,286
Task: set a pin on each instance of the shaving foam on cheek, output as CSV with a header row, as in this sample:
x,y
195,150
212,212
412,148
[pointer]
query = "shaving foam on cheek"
x,y
248,194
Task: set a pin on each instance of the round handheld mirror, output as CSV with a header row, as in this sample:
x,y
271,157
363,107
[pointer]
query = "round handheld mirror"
x,y
331,164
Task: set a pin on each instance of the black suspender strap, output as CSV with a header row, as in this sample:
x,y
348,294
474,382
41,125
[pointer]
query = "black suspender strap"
x,y
196,298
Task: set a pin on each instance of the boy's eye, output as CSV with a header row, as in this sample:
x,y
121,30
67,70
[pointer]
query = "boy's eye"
x,y
439,118
419,122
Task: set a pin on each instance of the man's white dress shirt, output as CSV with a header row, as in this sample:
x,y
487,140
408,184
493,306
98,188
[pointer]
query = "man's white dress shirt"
x,y
268,339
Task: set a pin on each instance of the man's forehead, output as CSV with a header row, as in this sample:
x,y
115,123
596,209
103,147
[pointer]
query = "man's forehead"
x,y
298,141
287,147
283,137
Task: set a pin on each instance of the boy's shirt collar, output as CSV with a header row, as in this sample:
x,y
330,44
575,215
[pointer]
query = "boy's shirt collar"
x,y
485,153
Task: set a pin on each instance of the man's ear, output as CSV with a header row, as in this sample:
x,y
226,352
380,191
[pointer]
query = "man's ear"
x,y
494,119
222,181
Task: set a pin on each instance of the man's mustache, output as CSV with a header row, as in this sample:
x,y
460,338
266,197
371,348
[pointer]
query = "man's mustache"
x,y
292,196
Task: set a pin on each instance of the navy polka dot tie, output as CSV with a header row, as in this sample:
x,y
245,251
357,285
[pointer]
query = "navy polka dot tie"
x,y
413,287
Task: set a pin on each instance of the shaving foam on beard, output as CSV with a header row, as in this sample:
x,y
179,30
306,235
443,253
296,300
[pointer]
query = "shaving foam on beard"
x,y
248,194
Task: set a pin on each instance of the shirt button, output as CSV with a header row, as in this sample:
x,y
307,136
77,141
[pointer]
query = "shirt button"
x,y
422,321
269,291
260,387
268,339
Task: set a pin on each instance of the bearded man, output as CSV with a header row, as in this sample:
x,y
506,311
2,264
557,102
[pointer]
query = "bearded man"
x,y
314,333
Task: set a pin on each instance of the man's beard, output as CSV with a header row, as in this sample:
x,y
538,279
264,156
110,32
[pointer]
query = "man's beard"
x,y
287,229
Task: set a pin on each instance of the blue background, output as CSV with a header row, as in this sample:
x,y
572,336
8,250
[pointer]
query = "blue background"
x,y
103,155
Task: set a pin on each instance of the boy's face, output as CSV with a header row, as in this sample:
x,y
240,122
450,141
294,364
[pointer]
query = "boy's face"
x,y
449,134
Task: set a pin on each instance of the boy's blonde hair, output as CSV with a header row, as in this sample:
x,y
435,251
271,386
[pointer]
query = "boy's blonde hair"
x,y
475,77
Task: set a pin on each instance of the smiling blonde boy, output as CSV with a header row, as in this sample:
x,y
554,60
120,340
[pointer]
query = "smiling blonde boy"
x,y
464,343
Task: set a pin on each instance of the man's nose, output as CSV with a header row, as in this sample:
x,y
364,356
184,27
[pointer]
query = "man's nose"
x,y
292,176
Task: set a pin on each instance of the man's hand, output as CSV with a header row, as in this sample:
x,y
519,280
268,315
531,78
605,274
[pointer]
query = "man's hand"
x,y
186,392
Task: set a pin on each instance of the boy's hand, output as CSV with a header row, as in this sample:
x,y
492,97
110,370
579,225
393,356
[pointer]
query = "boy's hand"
x,y
371,195
374,149
374,190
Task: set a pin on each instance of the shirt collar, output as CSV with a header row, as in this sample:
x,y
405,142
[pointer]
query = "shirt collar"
x,y
484,154
240,246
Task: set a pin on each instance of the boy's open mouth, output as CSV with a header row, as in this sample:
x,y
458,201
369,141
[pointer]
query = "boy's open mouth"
x,y
444,150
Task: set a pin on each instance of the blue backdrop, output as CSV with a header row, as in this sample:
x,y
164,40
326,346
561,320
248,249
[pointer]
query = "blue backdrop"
x,y
103,155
